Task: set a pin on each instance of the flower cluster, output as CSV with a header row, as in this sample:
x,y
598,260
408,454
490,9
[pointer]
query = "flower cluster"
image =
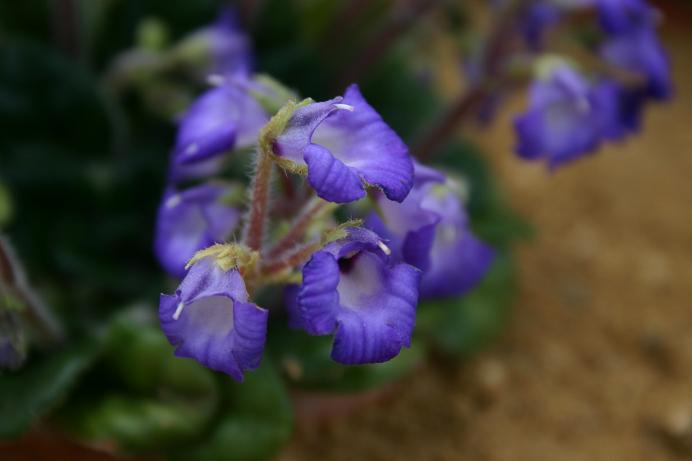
x,y
571,113
359,281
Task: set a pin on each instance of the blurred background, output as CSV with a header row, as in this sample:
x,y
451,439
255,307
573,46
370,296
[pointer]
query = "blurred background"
x,y
595,361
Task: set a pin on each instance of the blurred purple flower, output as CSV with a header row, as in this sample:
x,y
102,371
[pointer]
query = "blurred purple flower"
x,y
567,117
640,53
223,118
224,45
625,16
352,289
430,231
190,221
346,145
539,16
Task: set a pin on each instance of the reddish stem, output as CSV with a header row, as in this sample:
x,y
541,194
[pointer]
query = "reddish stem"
x,y
292,259
289,240
259,202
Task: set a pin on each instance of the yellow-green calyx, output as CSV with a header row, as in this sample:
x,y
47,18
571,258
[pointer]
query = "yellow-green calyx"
x,y
274,128
340,232
229,256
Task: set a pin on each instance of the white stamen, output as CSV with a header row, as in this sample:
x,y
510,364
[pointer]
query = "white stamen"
x,y
192,149
344,107
178,311
173,201
384,248
216,79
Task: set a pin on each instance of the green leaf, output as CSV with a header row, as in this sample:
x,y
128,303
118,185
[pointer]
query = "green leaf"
x,y
307,362
140,396
142,358
35,390
257,420
137,423
462,326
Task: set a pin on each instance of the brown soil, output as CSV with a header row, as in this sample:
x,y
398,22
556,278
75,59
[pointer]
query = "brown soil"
x,y
597,361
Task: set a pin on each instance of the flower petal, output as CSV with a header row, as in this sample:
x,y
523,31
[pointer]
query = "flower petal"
x,y
249,334
221,119
456,267
345,143
190,221
297,135
318,298
641,52
331,179
377,332
209,320
365,143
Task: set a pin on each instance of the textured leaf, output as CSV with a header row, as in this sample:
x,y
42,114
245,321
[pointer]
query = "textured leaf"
x,y
307,362
32,392
256,421
146,398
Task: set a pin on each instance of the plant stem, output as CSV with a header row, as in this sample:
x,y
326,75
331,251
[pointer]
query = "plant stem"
x,y
12,277
259,201
498,42
440,132
382,41
309,212
291,259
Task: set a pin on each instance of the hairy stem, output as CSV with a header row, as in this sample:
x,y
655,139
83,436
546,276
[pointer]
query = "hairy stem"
x,y
291,259
253,235
310,211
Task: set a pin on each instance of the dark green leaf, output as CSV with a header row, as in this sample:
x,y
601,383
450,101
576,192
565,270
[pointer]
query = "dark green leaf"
x,y
140,396
307,362
32,392
256,421
461,326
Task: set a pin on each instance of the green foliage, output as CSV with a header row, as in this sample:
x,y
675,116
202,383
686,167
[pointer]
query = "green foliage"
x,y
460,327
89,246
139,395
307,363
255,421
31,393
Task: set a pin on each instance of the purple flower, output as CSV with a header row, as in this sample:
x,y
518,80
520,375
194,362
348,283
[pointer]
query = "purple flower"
x,y
352,289
209,319
346,145
640,53
223,118
625,16
567,117
539,16
430,231
190,221
224,47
